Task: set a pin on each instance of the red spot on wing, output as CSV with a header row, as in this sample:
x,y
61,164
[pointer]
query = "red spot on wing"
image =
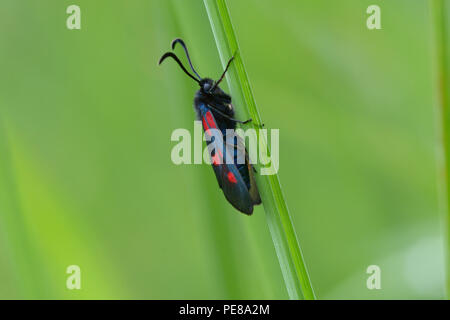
x,y
220,157
210,120
205,126
216,160
209,123
231,177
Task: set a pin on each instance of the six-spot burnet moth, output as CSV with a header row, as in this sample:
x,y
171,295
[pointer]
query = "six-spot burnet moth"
x,y
213,107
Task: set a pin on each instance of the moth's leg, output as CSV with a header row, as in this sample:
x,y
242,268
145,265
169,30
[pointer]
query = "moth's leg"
x,y
227,116
223,74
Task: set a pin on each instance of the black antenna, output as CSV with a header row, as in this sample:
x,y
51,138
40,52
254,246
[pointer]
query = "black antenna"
x,y
174,42
223,75
173,56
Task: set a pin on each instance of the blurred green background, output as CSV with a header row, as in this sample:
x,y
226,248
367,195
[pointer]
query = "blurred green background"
x,y
86,178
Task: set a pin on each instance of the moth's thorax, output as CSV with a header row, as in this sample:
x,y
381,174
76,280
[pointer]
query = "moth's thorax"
x,y
217,100
220,105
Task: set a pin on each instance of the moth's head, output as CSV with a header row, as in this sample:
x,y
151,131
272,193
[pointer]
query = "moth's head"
x,y
206,85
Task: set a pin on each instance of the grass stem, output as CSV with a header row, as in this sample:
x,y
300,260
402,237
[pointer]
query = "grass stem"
x,y
280,224
441,74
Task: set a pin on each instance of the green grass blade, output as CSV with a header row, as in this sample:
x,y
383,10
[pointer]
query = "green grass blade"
x,y
442,83
281,228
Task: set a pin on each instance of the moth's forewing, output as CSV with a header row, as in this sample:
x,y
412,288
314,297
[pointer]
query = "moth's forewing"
x,y
254,193
245,167
227,174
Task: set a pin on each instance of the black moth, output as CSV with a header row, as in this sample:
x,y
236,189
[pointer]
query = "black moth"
x,y
213,107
